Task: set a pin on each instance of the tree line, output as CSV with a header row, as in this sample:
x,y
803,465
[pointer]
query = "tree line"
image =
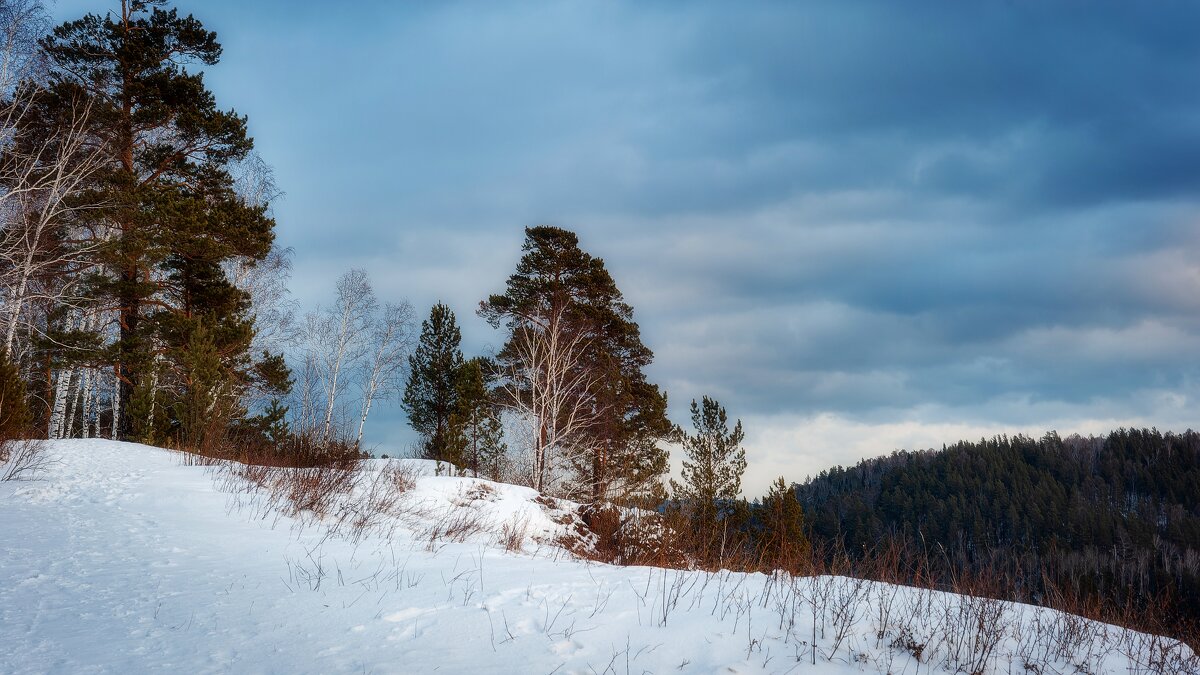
x,y
136,220
1112,521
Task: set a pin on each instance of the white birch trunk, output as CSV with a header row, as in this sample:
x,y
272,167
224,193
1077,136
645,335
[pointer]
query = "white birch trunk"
x,y
86,408
355,306
333,383
59,410
68,426
116,404
362,422
16,302
153,392
393,337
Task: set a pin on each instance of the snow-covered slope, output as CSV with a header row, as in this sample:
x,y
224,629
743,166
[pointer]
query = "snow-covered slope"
x,y
123,558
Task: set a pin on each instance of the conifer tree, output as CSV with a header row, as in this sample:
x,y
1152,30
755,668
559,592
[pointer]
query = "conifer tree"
x,y
476,432
171,215
14,409
783,541
558,288
204,405
715,462
431,396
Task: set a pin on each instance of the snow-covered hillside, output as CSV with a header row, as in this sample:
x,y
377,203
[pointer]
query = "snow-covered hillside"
x,y
125,558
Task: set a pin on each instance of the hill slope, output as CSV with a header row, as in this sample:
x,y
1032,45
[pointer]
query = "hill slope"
x,y
1114,518
123,558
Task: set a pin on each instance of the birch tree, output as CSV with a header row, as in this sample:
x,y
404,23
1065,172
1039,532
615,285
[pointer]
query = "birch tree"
x,y
22,23
43,174
391,342
550,393
341,338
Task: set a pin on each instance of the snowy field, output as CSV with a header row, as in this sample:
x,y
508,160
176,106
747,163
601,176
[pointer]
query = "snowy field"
x,y
123,558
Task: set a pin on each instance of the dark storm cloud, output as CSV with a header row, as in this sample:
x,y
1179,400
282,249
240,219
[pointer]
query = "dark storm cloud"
x,y
1093,91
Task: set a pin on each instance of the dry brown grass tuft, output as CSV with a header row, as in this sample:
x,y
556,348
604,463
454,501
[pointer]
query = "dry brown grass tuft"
x,y
513,534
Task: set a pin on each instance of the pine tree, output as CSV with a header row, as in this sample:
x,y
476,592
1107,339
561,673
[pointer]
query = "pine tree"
x,y
475,428
431,396
558,283
715,462
169,202
14,409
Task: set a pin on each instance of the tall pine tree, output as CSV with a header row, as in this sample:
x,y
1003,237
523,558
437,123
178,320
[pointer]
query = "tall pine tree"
x,y
431,396
171,216
622,457
715,462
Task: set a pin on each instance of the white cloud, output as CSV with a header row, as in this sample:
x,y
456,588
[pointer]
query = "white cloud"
x,y
796,446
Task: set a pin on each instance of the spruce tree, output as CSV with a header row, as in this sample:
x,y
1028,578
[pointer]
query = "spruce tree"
x,y
475,428
431,396
205,406
782,540
715,462
14,409
622,457
171,214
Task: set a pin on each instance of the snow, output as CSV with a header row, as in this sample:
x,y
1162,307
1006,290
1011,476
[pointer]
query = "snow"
x,y
122,558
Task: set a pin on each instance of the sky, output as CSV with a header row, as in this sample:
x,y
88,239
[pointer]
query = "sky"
x,y
861,226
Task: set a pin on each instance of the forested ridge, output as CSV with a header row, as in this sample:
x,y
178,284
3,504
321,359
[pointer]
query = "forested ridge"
x,y
1111,520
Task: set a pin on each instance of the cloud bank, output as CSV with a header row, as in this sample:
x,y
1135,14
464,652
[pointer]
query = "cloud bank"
x,y
860,225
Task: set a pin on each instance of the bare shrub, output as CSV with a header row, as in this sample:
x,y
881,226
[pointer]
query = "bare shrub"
x,y
907,642
817,594
604,520
301,450
476,492
845,609
403,476
1157,655
884,601
629,536
973,627
22,459
316,488
376,502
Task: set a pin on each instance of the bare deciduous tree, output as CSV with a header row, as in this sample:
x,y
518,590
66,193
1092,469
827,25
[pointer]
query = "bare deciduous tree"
x,y
22,22
352,342
341,335
39,180
550,392
393,338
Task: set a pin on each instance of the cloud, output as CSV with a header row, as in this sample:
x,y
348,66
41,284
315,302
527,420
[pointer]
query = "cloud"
x,y
798,446
860,225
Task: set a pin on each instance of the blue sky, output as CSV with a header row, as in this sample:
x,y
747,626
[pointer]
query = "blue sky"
x,y
860,225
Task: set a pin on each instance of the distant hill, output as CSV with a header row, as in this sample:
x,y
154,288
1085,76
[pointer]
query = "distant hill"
x,y
1113,518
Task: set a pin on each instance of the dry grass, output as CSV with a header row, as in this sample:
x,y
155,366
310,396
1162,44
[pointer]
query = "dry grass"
x,y
513,534
455,526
